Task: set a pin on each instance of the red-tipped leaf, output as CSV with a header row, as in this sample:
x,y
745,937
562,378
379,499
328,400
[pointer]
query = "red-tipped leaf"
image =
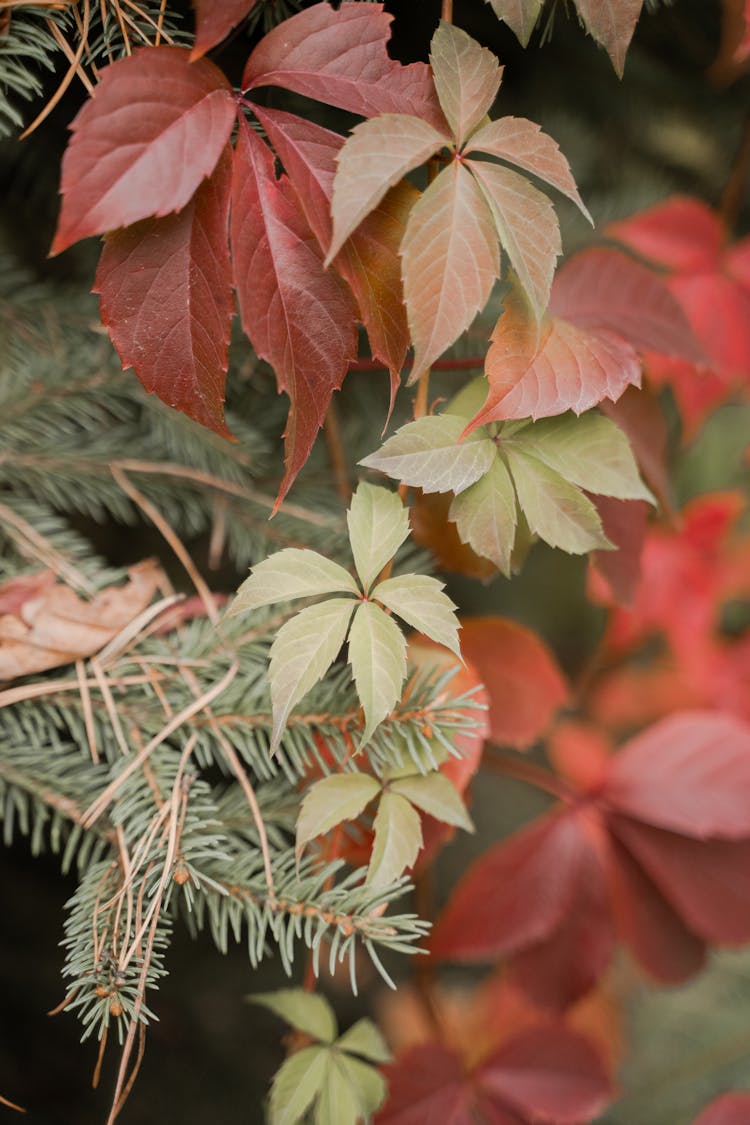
x,y
214,19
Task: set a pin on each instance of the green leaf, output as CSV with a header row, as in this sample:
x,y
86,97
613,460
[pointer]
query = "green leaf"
x,y
292,573
297,1083
376,156
302,652
427,454
485,516
378,525
450,260
435,794
398,838
369,1086
520,16
328,802
307,1011
419,600
526,225
364,1038
556,511
467,78
377,654
469,400
338,1098
590,451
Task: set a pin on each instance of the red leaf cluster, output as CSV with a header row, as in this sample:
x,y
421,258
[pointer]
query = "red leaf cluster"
x,y
654,846
729,1109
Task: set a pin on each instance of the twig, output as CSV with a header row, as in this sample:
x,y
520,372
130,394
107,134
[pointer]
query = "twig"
x,y
73,69
734,192
335,444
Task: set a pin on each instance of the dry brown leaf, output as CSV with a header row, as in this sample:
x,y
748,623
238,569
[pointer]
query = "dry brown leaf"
x,y
44,624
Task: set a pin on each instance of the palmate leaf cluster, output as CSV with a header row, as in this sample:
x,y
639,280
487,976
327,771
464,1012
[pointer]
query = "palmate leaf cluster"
x,y
134,767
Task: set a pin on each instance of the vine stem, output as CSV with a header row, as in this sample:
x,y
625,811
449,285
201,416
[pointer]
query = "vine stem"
x,y
446,11
335,444
734,192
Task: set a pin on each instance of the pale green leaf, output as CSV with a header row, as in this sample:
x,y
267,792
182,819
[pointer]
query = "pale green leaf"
x,y
419,600
556,511
522,142
307,1011
398,839
302,652
435,794
526,225
450,261
297,1083
377,654
292,573
590,451
378,153
469,400
427,454
378,524
520,16
340,797
368,1084
364,1038
467,78
485,516
338,1101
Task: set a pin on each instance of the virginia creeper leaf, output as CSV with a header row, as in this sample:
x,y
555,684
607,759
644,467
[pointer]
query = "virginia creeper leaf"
x,y
467,78
366,1083
520,15
527,226
326,803
338,1100
153,129
364,1038
427,453
525,685
681,233
729,1109
432,528
377,654
375,157
302,652
428,1083
419,600
166,300
522,142
436,795
378,524
306,1011
611,23
556,511
214,19
450,261
589,451
295,572
340,56
485,515
299,317
469,399
398,838
624,522
297,1083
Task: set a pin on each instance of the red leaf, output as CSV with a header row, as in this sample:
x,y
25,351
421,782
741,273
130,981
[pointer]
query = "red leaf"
x,y
153,129
611,23
706,881
214,19
166,299
729,1109
718,310
425,1084
299,317
340,57
581,752
515,895
652,929
702,761
624,524
681,233
525,685
639,414
548,1074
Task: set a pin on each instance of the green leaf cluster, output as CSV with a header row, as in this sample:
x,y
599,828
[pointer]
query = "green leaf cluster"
x,y
306,646
517,478
330,1075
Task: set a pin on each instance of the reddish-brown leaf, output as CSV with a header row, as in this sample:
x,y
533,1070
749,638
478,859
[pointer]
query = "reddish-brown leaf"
x,y
424,1084
624,524
547,1074
729,1109
525,685
450,261
299,317
214,19
166,299
340,56
154,128
638,412
681,233
611,23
